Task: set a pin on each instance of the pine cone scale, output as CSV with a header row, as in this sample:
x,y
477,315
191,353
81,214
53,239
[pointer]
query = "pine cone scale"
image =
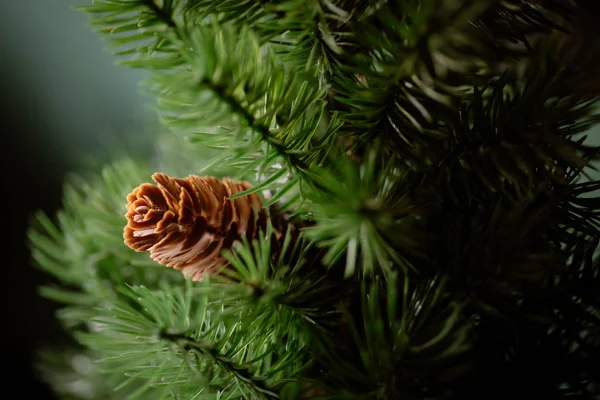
x,y
196,232
165,222
186,209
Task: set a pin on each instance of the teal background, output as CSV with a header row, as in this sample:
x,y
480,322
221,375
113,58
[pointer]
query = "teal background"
x,y
63,104
56,71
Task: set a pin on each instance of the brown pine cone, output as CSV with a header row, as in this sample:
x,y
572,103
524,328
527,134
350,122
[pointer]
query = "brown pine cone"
x,y
185,223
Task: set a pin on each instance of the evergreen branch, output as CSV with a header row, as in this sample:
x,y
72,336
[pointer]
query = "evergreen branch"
x,y
132,332
286,295
304,35
85,250
425,68
519,251
280,127
126,335
398,83
240,372
402,337
236,12
516,21
138,28
295,130
302,32
365,212
485,154
249,93
250,121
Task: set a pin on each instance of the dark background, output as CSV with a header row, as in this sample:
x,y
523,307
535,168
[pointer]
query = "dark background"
x,y
61,100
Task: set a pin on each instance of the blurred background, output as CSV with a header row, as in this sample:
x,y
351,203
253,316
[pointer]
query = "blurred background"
x,y
63,102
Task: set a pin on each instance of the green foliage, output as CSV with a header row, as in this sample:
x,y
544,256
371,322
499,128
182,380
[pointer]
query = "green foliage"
x,y
86,248
247,107
128,328
370,227
401,335
137,28
174,340
430,159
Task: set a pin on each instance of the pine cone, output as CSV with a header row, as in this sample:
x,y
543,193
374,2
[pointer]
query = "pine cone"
x,y
185,223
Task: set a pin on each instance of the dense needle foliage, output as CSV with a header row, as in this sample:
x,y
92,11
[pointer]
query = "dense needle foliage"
x,y
433,160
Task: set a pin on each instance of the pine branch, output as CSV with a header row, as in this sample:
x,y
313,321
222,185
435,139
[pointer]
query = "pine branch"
x,y
253,100
84,250
305,35
249,120
138,28
132,332
409,86
516,253
402,336
510,137
365,212
296,129
240,372
516,21
281,284
253,13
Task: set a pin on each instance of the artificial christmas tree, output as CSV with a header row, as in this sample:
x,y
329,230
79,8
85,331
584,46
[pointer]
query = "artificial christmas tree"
x,y
417,219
